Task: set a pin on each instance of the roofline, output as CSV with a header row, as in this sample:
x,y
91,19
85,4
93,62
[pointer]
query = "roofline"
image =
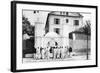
x,y
65,15
78,32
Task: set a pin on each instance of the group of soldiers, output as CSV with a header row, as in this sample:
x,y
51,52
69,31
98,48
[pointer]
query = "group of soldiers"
x,y
52,52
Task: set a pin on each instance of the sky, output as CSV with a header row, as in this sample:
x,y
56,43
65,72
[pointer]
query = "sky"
x,y
36,17
41,16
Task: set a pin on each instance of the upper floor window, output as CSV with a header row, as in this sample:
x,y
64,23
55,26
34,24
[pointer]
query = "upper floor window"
x,y
76,22
56,21
70,36
67,20
35,11
57,30
61,13
66,13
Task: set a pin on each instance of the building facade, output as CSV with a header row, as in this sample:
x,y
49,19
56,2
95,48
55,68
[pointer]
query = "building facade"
x,y
63,23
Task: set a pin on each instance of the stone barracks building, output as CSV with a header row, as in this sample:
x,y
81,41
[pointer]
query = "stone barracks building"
x,y
57,28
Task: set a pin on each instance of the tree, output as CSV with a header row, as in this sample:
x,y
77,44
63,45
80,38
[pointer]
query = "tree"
x,y
28,44
87,31
27,27
87,28
25,24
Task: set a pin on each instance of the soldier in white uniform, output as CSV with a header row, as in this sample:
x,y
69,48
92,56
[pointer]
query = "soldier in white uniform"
x,y
58,52
43,53
55,52
38,53
47,52
64,52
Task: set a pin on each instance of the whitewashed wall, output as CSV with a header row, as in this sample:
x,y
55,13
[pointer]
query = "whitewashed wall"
x,y
65,28
80,44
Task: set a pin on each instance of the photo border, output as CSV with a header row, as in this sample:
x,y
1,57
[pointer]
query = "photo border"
x,y
13,35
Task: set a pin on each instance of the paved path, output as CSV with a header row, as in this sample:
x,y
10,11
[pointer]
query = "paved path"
x,y
72,58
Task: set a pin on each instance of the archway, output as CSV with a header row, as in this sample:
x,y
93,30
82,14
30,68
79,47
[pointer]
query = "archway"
x,y
52,39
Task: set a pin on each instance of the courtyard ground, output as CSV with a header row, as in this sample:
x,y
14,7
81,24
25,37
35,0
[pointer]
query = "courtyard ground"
x,y
72,58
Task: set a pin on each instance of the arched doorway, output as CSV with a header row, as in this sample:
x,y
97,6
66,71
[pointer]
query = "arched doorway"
x,y
52,41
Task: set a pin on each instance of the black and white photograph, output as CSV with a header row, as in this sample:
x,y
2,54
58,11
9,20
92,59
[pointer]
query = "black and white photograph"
x,y
56,35
47,36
